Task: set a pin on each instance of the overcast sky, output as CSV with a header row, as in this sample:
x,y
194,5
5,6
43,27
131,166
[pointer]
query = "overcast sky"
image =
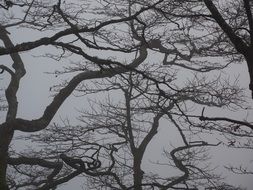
x,y
34,96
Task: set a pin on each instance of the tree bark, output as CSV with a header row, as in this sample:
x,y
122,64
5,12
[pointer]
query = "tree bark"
x,y
6,134
249,60
138,173
240,46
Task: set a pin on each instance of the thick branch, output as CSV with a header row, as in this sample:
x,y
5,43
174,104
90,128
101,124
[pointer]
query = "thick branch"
x,y
202,118
6,130
49,40
50,111
57,166
179,163
130,136
18,65
250,19
237,41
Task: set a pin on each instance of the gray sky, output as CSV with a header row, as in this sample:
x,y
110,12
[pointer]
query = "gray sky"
x,y
34,96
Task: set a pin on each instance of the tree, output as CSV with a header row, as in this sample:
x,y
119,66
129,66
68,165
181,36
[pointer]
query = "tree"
x,y
109,145
228,26
240,34
143,32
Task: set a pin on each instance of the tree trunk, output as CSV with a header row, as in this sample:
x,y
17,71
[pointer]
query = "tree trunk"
x,y
3,167
249,60
6,134
138,173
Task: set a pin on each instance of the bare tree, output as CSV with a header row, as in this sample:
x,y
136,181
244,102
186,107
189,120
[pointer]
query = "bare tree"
x,y
142,32
226,28
239,30
110,144
220,29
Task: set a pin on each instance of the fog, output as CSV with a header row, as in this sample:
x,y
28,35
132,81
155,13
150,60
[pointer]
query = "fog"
x,y
35,94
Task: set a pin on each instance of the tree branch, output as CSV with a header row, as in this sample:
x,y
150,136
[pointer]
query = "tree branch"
x,y
237,41
250,19
48,40
50,111
57,166
203,118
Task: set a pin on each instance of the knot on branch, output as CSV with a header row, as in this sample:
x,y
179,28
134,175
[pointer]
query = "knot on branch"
x,y
155,43
74,163
9,3
79,164
202,118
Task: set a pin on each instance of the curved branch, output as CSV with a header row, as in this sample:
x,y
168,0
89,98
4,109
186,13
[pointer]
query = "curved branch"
x,y
18,65
179,163
4,68
51,109
57,166
49,40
